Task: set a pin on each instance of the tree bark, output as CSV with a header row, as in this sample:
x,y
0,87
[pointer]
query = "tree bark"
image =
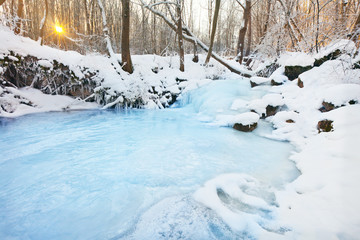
x,y
249,37
180,36
19,16
88,29
125,37
43,24
213,30
242,31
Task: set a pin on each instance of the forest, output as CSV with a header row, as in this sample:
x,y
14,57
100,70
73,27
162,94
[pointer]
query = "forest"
x,y
251,27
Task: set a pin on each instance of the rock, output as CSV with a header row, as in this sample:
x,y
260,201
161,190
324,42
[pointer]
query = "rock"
x,y
300,83
257,81
290,121
271,110
268,70
195,59
245,128
325,126
293,72
273,83
326,107
328,57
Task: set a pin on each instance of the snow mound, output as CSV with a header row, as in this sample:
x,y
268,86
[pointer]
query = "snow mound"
x,y
244,203
248,118
341,94
344,45
45,63
28,100
259,80
296,59
272,99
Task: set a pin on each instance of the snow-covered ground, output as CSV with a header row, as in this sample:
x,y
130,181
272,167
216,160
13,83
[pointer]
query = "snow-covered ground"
x,y
322,203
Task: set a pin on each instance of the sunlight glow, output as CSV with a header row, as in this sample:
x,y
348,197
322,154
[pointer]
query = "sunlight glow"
x,y
59,29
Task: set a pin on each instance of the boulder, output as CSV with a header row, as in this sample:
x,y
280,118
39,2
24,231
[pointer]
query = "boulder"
x,y
293,72
245,128
300,83
325,126
271,110
328,57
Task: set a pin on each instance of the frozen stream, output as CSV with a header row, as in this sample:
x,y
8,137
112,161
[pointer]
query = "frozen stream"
x,y
133,174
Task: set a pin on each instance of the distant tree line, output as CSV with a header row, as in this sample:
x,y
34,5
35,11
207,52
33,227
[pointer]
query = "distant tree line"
x,y
220,28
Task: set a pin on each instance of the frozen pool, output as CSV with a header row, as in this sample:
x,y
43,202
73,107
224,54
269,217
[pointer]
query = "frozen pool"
x,y
133,174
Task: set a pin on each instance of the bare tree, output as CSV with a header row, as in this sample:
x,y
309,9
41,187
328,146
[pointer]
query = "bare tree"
x,y
213,30
125,41
19,16
243,29
180,35
43,22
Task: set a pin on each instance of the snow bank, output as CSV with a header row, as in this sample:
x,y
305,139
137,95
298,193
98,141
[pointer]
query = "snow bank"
x,y
342,94
296,59
248,118
27,100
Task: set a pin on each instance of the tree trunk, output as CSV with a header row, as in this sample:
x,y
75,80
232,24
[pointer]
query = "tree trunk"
x,y
43,22
249,37
180,36
213,30
88,30
19,16
1,2
125,35
242,31
356,30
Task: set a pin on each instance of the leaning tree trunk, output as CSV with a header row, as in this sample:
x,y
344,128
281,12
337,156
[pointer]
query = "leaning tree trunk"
x,y
19,16
213,31
180,36
125,41
242,31
356,30
43,22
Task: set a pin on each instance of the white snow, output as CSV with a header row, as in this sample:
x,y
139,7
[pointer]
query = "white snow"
x,y
45,63
296,59
260,80
248,118
17,99
341,94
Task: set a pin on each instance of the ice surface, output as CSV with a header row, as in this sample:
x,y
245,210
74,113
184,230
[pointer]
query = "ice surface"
x,y
107,174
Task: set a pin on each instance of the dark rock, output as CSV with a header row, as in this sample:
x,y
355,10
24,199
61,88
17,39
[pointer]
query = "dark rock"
x,y
179,80
268,70
356,65
271,110
352,102
328,57
293,72
290,121
327,106
245,128
253,84
273,83
300,83
325,126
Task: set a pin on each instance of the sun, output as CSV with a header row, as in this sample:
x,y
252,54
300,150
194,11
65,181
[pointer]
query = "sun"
x,y
59,29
